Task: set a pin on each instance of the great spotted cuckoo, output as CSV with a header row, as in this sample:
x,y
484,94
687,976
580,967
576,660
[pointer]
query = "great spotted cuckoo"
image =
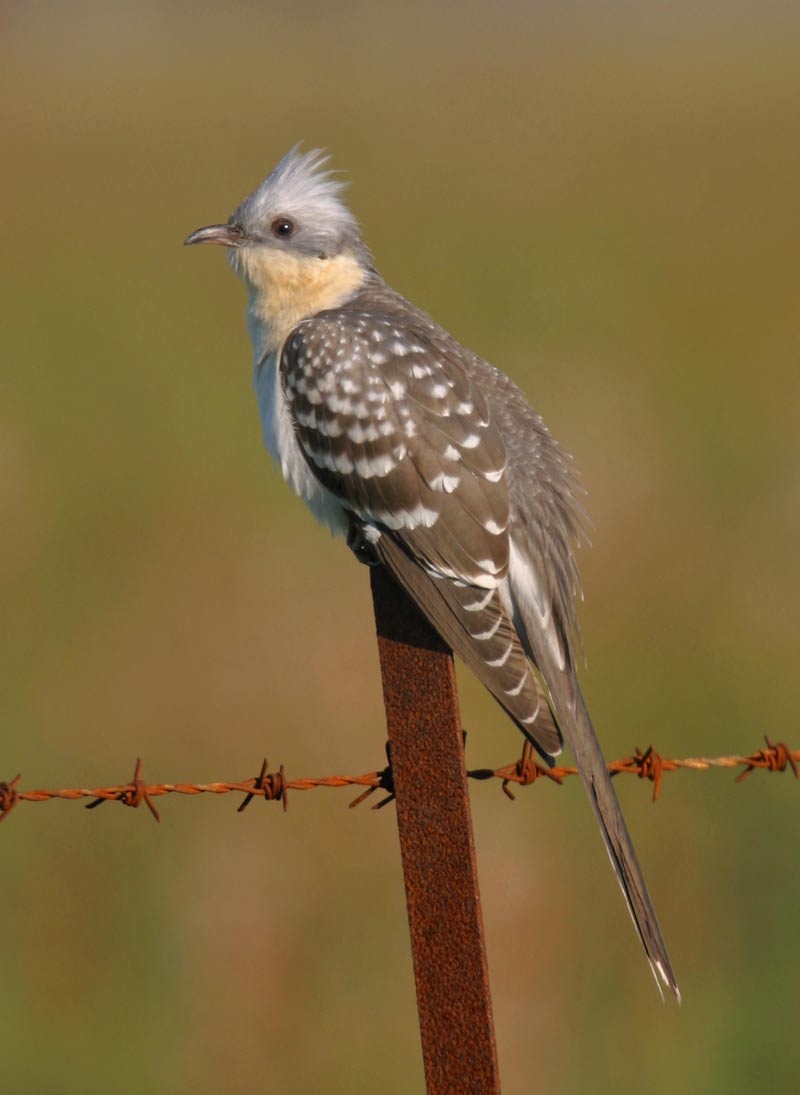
x,y
430,462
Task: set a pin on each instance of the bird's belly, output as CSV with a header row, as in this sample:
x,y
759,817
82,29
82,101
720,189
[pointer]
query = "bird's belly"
x,y
284,448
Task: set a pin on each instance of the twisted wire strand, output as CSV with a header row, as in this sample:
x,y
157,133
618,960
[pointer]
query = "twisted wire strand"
x,y
274,786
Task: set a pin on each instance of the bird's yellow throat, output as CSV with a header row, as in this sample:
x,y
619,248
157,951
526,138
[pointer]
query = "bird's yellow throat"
x,y
285,289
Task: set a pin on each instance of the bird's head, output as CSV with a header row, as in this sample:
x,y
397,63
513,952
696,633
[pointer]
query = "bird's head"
x,y
294,241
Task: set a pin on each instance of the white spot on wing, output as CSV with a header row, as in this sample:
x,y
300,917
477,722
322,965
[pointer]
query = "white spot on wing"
x,y
497,662
339,405
445,482
358,433
340,463
532,718
492,526
375,467
490,632
330,427
421,515
515,691
480,604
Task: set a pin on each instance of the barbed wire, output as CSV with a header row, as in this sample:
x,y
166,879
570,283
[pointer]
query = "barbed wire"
x,y
274,786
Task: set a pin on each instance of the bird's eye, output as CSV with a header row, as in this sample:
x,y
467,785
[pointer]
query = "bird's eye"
x,y
282,227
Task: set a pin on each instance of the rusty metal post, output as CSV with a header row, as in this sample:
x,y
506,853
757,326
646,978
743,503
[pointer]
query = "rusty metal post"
x,y
433,817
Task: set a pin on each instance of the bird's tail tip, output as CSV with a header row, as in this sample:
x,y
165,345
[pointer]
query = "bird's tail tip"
x,y
665,978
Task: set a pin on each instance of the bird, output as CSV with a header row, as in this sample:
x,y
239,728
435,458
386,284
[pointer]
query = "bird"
x,y
429,462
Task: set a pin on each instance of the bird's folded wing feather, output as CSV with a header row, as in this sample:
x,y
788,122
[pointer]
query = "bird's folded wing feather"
x,y
403,438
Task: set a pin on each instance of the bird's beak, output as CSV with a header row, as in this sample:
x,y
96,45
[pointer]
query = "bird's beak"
x,y
227,235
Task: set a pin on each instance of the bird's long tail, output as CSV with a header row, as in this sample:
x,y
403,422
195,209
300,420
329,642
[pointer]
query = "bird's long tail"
x,y
448,607
576,726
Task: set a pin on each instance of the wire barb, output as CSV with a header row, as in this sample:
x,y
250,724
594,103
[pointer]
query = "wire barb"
x,y
524,772
134,794
646,765
8,796
385,782
274,786
774,758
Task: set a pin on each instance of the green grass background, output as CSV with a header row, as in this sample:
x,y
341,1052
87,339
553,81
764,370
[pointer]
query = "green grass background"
x,y
602,199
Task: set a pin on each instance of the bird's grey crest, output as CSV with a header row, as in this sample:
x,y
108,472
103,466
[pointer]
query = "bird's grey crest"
x,y
304,191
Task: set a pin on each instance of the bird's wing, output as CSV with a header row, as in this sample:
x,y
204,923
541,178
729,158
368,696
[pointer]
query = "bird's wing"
x,y
403,437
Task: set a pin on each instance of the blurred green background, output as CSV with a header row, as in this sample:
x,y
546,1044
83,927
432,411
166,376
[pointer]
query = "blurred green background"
x,y
602,199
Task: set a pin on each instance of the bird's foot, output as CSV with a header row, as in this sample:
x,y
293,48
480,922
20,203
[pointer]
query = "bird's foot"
x,y
361,546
